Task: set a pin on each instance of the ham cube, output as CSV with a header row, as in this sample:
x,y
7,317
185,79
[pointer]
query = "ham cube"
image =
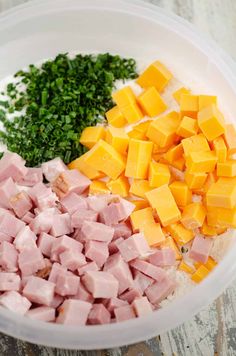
x,y
45,242
90,266
131,295
133,247
73,312
124,313
21,204
83,294
163,258
9,281
72,260
97,203
25,239
62,244
99,315
200,249
114,303
142,306
42,313
10,225
160,290
30,261
12,165
42,196
101,284
96,231
39,291
120,270
5,237
122,230
67,284
97,251
150,270
53,168
70,181
73,202
42,222
56,271
141,281
15,302
116,212
80,216
28,217
32,177
113,245
7,189
57,300
8,257
61,225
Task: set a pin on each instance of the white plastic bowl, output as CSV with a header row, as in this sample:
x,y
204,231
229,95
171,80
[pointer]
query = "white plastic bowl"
x,y
42,29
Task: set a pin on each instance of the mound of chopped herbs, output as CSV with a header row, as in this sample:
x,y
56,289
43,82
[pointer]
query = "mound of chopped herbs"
x,y
61,98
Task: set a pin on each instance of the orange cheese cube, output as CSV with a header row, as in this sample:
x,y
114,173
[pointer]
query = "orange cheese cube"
x,y
179,164
159,174
143,127
206,100
151,102
209,231
193,216
188,127
211,122
226,169
139,158
169,243
162,200
195,143
140,218
211,178
139,187
178,93
115,117
117,138
201,273
85,168
189,105
220,149
174,153
222,193
132,113
201,162
153,234
186,268
230,138
195,180
91,135
98,187
124,97
119,186
210,264
180,234
156,75
226,217
137,135
181,193
140,204
103,157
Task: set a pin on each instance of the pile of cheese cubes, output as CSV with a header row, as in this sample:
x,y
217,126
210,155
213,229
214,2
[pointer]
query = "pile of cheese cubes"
x,y
165,160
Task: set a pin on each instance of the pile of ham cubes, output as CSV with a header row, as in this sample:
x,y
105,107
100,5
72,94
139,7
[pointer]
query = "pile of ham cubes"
x,y
70,258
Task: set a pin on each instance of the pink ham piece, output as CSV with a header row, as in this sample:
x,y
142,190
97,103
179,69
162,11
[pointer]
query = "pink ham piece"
x,y
120,270
97,203
39,291
124,313
141,281
25,239
113,245
150,270
42,222
122,230
42,313
56,271
4,237
15,302
53,168
62,244
9,281
131,294
97,251
7,189
90,266
96,231
12,165
70,181
67,284
163,258
28,217
73,202
72,259
21,204
133,247
83,294
8,257
99,315
42,196
114,303
160,290
116,212
57,301
200,249
73,312
45,242
30,261
61,225
101,284
10,225
142,306
79,216
32,177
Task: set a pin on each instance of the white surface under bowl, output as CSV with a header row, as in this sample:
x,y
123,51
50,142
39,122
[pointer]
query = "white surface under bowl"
x,y
42,29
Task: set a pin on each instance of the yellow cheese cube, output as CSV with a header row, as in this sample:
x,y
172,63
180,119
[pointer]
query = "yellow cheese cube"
x,y
211,122
119,186
156,75
186,268
132,113
124,97
230,138
189,105
92,135
140,204
188,127
174,153
162,200
139,158
139,187
106,159
178,93
226,217
98,187
179,164
207,230
117,138
159,174
201,273
210,264
140,218
181,193
226,169
85,168
222,193
220,149
195,180
180,234
211,178
193,216
169,243
143,127
151,102
206,100
137,135
195,143
153,234
201,162
115,117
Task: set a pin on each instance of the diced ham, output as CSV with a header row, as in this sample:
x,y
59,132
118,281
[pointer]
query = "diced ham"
x,y
101,284
122,230
67,284
56,271
12,165
97,203
160,290
52,168
73,202
96,231
116,212
79,216
70,181
28,217
62,244
133,247
25,239
73,312
9,281
30,261
113,245
124,313
15,302
42,196
83,294
72,259
8,257
142,306
114,303
46,270
7,189
162,258
42,313
56,301
45,242
32,177
200,249
131,295
150,270
97,251
10,225
21,204
90,266
5,237
42,222
141,281
39,291
99,315
61,225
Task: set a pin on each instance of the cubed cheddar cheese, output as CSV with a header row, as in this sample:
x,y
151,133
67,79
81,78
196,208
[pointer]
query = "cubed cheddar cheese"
x,y
206,100
195,180
220,149
124,96
159,174
181,193
139,158
178,93
174,153
188,127
189,105
186,268
226,169
193,216
106,159
195,143
139,187
162,200
208,231
132,113
86,169
211,178
180,234
226,217
179,164
201,162
153,234
98,187
136,134
201,273
140,218
91,135
156,75
143,126
210,264
140,204
117,138
119,186
230,138
211,122
169,243
222,193
151,102
115,117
